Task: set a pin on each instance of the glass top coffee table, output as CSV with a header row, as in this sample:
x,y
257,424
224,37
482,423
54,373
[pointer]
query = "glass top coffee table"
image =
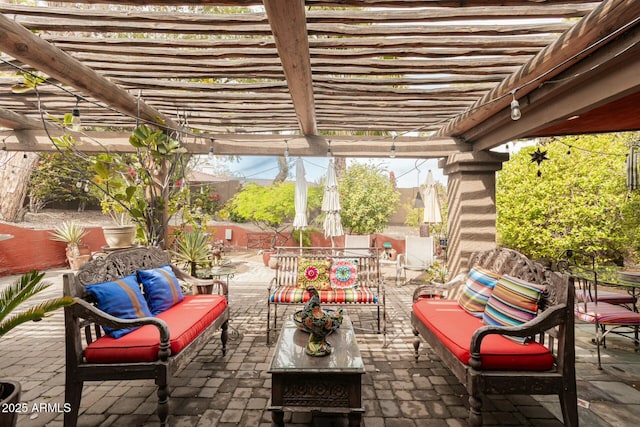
x,y
330,384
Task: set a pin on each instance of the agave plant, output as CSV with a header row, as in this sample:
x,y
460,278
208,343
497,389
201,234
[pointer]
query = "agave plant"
x,y
70,233
28,285
193,249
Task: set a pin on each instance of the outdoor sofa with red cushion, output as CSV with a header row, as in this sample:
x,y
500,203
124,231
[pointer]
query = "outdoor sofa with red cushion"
x,y
510,331
137,322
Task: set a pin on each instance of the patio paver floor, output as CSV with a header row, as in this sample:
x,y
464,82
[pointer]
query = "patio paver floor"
x,y
234,390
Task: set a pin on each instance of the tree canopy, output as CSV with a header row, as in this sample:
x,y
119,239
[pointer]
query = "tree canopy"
x,y
580,200
270,207
367,197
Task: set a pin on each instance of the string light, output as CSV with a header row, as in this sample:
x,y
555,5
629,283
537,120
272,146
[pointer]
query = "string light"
x,y
329,153
211,150
286,149
392,152
76,122
515,108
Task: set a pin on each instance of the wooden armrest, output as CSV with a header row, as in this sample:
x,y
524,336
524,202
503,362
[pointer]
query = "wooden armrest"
x,y
546,320
436,287
200,282
87,311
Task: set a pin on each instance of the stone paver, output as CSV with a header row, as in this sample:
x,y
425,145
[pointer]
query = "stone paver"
x,y
234,390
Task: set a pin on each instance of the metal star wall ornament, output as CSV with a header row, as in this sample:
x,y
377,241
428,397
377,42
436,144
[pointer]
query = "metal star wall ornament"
x,y
538,157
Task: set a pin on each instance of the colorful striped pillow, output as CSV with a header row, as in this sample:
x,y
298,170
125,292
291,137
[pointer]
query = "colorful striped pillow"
x,y
161,288
513,302
120,298
477,290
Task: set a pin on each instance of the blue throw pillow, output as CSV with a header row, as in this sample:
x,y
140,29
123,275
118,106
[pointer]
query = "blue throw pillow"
x,y
120,298
161,288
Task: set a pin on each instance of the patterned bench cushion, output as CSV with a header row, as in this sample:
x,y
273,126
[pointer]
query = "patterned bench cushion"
x,y
606,314
186,320
454,327
293,295
611,297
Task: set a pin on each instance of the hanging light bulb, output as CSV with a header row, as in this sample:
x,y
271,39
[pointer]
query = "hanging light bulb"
x,y
329,153
76,122
392,152
515,108
286,149
79,184
211,151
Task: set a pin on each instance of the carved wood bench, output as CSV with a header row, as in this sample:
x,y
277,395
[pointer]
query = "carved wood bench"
x,y
478,351
356,281
164,340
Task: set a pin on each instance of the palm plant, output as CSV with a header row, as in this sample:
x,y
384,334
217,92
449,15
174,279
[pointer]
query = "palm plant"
x,y
28,285
193,249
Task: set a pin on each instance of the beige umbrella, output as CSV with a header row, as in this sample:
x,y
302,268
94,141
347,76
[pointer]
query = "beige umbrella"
x,y
331,205
432,213
300,220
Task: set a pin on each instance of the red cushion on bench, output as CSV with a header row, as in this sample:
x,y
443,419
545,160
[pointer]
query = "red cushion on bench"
x,y
292,294
454,327
186,320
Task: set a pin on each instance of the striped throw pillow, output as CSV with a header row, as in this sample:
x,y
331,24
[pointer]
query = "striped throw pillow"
x,y
512,303
120,298
161,288
477,290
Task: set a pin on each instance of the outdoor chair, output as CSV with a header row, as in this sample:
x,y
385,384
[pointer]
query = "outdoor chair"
x,y
357,244
418,256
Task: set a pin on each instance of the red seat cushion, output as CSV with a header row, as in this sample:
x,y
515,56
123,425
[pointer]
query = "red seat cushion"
x,y
454,327
186,320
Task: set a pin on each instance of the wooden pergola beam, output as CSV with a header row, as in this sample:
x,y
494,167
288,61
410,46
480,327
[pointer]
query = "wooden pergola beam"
x,y
22,44
289,27
248,145
567,50
16,121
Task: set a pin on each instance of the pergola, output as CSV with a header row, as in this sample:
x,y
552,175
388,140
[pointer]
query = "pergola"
x,y
358,78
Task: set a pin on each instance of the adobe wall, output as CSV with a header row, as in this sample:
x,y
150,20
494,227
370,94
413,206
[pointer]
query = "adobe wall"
x,y
33,249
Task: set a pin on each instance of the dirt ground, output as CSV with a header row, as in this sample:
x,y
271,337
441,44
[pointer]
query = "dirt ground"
x,y
49,218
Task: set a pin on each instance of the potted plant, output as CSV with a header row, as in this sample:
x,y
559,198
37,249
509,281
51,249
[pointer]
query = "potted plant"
x,y
25,287
138,187
193,249
72,234
122,233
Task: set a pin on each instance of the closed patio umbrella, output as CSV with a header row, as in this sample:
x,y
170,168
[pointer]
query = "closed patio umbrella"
x,y
633,180
300,219
331,205
432,213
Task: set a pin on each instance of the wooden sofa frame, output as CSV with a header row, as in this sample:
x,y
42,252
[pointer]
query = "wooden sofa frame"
x,y
84,316
554,327
369,275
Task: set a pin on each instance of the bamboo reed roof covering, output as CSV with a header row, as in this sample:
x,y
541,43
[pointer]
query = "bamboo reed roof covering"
x,y
429,78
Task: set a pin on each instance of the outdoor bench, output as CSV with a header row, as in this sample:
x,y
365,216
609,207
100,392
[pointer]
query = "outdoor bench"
x,y
342,278
169,328
503,287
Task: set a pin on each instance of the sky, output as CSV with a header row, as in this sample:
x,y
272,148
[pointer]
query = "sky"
x,y
409,172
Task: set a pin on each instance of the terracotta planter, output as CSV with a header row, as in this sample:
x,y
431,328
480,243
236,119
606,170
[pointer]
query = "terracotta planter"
x,y
9,398
119,236
266,256
75,262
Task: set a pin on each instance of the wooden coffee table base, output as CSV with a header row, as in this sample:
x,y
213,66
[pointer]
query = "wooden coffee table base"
x,y
323,385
